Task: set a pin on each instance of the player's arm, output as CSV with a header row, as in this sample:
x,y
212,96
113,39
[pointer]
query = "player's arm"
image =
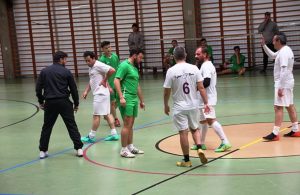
x,y
206,82
167,92
202,91
107,75
141,97
86,91
117,83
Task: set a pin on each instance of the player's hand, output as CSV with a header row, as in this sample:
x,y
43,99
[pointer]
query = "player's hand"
x,y
206,109
280,93
84,94
104,83
42,106
142,105
122,102
263,42
75,109
167,110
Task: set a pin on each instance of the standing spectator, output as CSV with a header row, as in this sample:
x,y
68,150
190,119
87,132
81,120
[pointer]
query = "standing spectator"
x,y
53,88
136,41
111,59
129,91
184,80
203,43
268,28
284,85
99,73
169,60
236,63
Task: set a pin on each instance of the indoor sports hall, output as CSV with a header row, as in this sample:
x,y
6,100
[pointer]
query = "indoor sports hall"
x,y
31,31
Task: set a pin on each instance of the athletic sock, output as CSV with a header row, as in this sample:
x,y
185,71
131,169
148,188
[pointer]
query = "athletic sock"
x,y
113,132
186,158
220,132
92,134
203,131
295,127
130,147
276,130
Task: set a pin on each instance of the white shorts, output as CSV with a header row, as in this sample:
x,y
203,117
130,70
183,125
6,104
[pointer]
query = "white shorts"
x,y
101,105
210,115
186,119
286,100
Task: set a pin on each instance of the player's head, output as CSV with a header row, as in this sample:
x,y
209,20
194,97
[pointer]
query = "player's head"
x,y
236,49
267,16
136,55
135,27
201,55
203,42
179,53
174,43
60,57
90,58
105,47
279,40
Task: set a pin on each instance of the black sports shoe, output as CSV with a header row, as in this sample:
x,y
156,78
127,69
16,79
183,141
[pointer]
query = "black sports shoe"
x,y
271,137
292,134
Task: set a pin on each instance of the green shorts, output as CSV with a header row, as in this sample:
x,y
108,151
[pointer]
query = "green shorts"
x,y
235,68
131,108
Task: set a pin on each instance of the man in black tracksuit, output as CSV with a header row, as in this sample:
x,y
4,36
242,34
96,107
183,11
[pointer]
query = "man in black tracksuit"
x,y
53,89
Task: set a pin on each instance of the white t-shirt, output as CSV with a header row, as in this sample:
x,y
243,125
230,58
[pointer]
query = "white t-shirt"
x,y
182,78
97,73
285,57
208,70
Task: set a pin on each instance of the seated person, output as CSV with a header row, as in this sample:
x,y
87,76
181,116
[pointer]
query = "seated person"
x,y
203,43
169,60
235,64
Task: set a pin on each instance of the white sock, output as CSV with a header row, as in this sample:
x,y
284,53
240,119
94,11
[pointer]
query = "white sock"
x,y
203,131
276,130
130,147
113,132
295,127
220,132
92,134
124,149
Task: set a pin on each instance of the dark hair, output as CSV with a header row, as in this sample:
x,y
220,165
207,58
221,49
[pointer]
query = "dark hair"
x,y
267,14
135,51
58,55
236,47
281,37
135,25
179,53
174,41
203,39
104,43
89,53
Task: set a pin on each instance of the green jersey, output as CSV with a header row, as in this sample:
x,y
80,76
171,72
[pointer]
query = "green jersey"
x,y
171,50
129,76
233,61
112,61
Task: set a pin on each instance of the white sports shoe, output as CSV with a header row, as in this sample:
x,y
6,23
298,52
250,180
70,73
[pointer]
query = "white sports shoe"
x,y
79,153
134,150
126,153
43,154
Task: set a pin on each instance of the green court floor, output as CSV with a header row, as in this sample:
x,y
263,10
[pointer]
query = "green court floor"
x,y
245,99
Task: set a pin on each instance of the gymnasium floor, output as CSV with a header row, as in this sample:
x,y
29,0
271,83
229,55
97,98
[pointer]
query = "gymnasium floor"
x,y
245,108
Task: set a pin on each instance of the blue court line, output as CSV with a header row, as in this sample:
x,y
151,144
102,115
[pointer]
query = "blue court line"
x,y
68,149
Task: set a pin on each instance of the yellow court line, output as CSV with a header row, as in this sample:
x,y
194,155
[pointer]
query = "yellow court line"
x,y
258,140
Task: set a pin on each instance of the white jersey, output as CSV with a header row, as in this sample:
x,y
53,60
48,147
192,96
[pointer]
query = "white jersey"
x,y
284,58
208,70
97,73
182,78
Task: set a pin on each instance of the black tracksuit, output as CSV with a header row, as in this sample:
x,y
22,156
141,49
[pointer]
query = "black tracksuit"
x,y
53,87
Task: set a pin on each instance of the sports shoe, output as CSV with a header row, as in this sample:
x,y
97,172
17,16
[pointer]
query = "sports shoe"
x,y
117,123
126,154
202,156
194,147
43,154
223,148
292,134
136,151
79,153
87,139
271,137
112,138
184,164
